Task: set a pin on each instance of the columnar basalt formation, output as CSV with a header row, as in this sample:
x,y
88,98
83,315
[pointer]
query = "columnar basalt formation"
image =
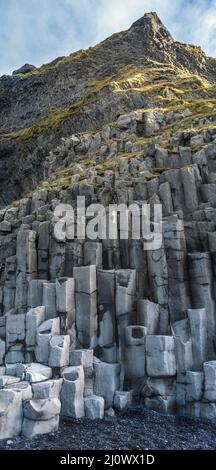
x,y
91,326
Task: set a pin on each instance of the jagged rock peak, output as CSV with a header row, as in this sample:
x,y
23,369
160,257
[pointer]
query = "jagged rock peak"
x,y
151,25
27,68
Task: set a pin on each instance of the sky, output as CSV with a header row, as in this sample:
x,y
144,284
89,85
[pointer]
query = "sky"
x,y
38,31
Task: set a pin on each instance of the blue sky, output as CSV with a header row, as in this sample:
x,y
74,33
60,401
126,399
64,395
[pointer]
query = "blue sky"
x,y
37,31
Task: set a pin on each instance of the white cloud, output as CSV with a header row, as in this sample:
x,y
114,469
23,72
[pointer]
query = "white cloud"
x,y
118,14
192,21
35,31
38,31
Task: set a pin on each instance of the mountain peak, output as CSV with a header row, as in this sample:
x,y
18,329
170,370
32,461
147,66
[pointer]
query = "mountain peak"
x,y
152,16
151,25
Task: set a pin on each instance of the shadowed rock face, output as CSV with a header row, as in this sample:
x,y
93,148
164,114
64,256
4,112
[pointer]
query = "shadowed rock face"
x,y
27,68
73,94
151,27
62,81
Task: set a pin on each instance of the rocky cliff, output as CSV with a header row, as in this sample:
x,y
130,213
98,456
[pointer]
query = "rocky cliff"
x,y
88,326
84,91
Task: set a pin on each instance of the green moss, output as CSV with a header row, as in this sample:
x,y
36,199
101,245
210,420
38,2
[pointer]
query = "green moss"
x,y
63,183
200,108
90,160
53,121
194,50
15,205
168,88
153,177
76,56
206,126
129,156
58,116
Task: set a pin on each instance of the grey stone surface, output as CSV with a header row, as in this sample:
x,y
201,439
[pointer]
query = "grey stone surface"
x,y
94,407
195,386
47,389
86,323
72,392
160,356
15,328
166,198
11,413
85,279
7,380
162,387
2,351
198,325
59,351
49,299
93,254
122,400
24,388
42,409
45,332
37,372
160,404
148,316
34,318
34,428
135,358
189,187
208,411
106,381
35,293
184,355
65,301
210,380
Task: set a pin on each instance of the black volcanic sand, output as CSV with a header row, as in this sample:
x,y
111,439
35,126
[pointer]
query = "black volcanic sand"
x,y
138,429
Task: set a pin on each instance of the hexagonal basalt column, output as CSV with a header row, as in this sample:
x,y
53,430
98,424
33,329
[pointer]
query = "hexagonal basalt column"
x,y
160,356
86,305
135,352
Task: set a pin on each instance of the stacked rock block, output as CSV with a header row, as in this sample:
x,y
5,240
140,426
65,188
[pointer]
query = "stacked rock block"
x,y
91,326
48,372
